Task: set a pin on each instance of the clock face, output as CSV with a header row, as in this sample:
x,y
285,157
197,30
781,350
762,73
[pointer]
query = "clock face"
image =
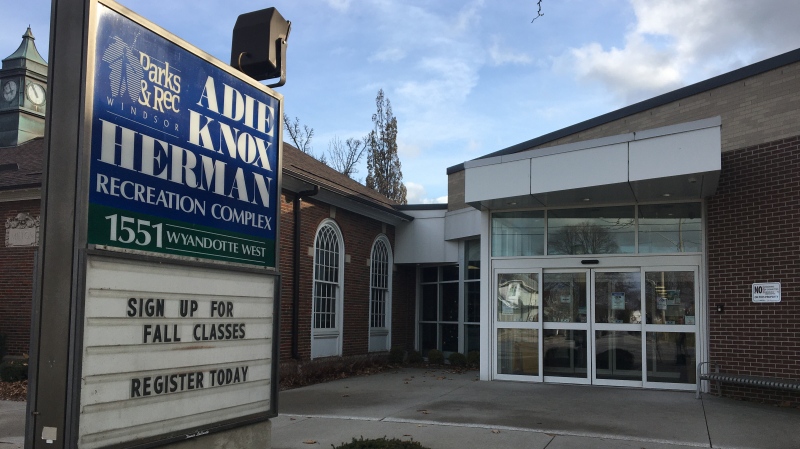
x,y
35,93
9,91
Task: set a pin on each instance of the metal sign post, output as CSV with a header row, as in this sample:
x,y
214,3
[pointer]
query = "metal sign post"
x,y
157,299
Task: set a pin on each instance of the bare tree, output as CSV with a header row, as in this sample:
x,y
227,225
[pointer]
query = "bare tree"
x,y
539,13
301,135
343,156
583,238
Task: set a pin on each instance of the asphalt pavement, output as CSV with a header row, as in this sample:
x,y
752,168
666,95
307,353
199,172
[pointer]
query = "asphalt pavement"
x,y
442,409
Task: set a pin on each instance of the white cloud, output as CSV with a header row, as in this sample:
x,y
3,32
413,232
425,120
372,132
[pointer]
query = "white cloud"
x,y
501,56
341,5
416,194
468,16
393,54
672,44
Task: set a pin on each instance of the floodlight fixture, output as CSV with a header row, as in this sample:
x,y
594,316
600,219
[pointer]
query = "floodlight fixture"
x,y
259,45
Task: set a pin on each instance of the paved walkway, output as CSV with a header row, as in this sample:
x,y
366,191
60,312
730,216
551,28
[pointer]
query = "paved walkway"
x,y
12,424
443,410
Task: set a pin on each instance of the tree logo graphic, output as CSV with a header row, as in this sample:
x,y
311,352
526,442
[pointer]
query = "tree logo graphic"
x,y
126,75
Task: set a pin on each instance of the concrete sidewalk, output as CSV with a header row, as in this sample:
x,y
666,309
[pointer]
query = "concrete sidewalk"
x,y
444,410
12,424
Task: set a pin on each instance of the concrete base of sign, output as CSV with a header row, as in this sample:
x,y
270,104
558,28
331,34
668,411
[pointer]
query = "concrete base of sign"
x,y
255,436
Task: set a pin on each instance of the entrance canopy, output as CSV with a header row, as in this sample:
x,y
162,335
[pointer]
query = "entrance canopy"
x,y
674,163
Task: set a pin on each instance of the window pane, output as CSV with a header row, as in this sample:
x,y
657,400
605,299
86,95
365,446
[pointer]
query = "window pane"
x,y
430,302
430,274
518,233
473,250
518,351
518,297
670,228
619,355
449,302
564,297
472,296
599,230
671,357
428,337
669,296
472,332
450,273
565,353
324,305
449,337
618,298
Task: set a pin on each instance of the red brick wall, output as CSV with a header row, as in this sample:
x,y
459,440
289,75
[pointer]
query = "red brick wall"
x,y
754,236
359,234
16,282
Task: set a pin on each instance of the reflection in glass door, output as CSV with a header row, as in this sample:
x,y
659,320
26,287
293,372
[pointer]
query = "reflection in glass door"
x,y
617,305
565,326
518,324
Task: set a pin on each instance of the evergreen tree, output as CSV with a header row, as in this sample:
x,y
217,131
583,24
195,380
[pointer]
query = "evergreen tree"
x,y
383,165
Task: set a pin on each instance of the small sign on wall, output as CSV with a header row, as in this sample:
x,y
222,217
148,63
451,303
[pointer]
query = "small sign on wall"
x,y
767,292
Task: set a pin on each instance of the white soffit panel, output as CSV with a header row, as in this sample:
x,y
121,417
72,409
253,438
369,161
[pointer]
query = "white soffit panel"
x,y
578,169
685,153
497,181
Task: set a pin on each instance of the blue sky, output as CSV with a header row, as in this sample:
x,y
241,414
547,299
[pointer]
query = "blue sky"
x,y
466,78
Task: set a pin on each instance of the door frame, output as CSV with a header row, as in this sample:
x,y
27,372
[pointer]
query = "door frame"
x,y
642,263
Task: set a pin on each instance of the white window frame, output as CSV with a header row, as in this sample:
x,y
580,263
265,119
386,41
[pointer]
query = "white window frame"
x,y
327,342
380,338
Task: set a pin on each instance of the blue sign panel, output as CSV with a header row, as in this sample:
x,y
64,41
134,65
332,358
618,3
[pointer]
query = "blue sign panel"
x,y
184,155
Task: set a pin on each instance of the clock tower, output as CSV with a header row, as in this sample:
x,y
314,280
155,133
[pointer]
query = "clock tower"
x,y
23,94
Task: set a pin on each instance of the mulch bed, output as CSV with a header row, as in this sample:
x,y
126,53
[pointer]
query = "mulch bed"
x,y
14,391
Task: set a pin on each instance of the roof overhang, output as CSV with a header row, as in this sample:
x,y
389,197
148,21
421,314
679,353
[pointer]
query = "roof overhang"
x,y
295,183
674,163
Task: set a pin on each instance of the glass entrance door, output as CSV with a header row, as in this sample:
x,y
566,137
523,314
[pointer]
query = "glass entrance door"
x,y
617,327
565,326
607,326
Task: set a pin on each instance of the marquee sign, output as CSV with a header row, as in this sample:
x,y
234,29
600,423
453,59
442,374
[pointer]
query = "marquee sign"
x,y
180,354
184,155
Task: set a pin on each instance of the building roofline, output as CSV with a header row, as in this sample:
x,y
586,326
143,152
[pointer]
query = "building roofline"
x,y
433,206
712,83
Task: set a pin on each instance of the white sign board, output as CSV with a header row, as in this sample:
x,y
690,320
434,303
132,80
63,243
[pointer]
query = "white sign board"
x,y
767,292
170,347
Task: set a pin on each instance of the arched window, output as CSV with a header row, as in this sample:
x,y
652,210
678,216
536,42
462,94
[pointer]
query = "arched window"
x,y
326,322
380,295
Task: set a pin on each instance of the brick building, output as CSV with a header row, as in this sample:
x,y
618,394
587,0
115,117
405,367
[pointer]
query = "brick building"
x,y
623,250
626,249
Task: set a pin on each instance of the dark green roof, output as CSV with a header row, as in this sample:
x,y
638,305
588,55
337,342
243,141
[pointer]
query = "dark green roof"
x,y
26,52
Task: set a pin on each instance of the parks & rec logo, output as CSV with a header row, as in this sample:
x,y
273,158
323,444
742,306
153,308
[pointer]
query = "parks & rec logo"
x,y
141,78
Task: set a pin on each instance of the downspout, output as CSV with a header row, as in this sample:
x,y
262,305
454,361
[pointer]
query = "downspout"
x,y
296,270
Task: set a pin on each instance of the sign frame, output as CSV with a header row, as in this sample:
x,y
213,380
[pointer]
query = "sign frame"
x,y
91,162
57,331
190,432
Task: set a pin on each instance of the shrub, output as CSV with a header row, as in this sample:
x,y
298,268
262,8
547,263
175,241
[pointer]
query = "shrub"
x,y
380,443
457,359
415,357
474,359
14,370
435,357
295,374
396,355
